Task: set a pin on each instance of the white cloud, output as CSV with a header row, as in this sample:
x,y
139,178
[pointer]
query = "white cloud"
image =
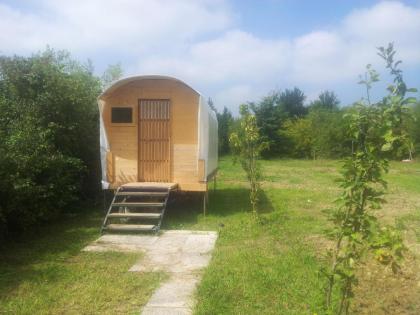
x,y
317,57
237,94
198,41
236,57
315,60
385,22
124,26
341,54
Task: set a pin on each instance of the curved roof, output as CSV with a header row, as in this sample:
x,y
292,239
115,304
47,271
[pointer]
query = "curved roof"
x,y
117,84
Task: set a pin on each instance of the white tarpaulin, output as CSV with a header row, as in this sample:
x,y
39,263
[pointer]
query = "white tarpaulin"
x,y
103,144
208,137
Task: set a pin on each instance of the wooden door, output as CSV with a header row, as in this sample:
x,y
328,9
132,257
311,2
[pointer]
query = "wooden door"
x,y
154,141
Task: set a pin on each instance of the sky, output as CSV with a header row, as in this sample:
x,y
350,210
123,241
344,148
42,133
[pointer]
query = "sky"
x,y
233,51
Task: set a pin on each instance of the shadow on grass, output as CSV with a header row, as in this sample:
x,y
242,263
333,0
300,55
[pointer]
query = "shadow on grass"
x,y
188,207
32,256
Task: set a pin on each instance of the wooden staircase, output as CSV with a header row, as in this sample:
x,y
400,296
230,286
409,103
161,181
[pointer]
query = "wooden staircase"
x,y
138,207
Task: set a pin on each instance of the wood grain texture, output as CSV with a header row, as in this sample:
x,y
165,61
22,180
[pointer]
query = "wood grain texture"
x,y
124,139
154,141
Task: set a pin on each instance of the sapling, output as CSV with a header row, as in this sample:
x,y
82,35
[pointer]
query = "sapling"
x,y
247,144
356,230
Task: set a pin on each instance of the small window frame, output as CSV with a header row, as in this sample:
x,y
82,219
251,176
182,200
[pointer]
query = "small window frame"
x,y
125,123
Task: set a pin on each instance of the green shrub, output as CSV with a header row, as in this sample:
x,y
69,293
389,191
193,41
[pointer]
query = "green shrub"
x,y
49,132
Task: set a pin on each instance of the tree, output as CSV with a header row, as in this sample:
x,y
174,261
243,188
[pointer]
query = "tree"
x,y
211,105
291,103
111,74
225,120
271,114
269,118
49,132
413,126
330,138
326,101
300,132
247,145
320,134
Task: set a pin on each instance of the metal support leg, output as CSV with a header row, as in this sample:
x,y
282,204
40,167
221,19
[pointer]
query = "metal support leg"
x,y
104,207
214,183
205,202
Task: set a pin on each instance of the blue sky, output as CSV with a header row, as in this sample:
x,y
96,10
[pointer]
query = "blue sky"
x,y
233,51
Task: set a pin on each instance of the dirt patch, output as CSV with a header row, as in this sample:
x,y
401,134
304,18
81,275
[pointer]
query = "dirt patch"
x,y
321,243
398,204
380,291
301,186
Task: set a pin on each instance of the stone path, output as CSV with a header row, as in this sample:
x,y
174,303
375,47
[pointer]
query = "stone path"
x,y
181,253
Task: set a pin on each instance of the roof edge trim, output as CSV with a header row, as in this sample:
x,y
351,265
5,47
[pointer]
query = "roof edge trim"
x,y
121,82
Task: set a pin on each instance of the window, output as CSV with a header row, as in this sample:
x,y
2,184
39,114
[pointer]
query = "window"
x,y
121,115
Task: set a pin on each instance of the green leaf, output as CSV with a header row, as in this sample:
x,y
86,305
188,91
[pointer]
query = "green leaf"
x,y
410,100
386,147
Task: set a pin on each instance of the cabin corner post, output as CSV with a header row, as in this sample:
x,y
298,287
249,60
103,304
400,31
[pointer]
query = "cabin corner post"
x,y
202,170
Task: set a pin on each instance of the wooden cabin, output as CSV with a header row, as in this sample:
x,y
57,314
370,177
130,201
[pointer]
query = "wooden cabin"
x,y
157,129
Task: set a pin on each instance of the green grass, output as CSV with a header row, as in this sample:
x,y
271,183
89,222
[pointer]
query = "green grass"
x,y
267,267
46,273
273,267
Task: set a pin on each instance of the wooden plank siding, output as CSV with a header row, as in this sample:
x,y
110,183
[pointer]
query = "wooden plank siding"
x,y
124,138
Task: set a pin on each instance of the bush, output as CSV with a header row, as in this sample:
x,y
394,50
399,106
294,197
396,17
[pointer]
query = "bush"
x,y
49,132
321,134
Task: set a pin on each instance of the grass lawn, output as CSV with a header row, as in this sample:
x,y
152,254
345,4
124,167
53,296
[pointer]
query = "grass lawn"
x,y
48,274
272,267
269,267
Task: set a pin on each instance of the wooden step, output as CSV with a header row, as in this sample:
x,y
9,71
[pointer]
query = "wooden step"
x,y
150,185
130,227
138,204
142,193
135,215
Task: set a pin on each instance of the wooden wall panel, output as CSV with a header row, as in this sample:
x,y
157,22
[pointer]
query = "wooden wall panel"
x,y
126,170
123,139
185,162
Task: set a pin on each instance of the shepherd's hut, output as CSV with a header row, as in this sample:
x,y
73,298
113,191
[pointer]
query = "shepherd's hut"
x,y
157,135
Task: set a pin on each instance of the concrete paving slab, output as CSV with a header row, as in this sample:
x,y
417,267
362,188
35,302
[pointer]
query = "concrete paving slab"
x,y
176,292
181,253
166,311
